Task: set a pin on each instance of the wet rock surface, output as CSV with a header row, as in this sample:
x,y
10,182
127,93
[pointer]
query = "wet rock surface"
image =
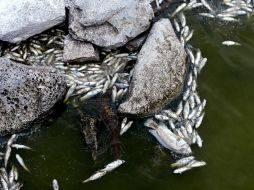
x,y
23,19
158,75
26,94
112,24
77,51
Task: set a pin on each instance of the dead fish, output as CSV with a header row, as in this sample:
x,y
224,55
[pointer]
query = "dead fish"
x,y
91,94
199,140
231,43
113,165
21,162
95,176
11,140
126,127
182,162
179,108
199,120
196,164
161,117
4,184
209,15
166,138
170,114
11,175
178,9
55,184
20,146
186,110
7,155
207,5
124,122
113,95
181,170
177,27
16,186
190,54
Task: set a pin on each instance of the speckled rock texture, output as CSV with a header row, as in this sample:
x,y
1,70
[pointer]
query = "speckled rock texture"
x,y
158,75
77,51
21,19
27,94
111,24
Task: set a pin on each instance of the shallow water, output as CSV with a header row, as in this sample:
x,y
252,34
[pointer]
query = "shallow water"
x,y
228,129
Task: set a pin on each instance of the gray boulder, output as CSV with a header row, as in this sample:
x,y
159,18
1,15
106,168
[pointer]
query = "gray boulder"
x,y
21,19
110,23
77,51
26,94
158,75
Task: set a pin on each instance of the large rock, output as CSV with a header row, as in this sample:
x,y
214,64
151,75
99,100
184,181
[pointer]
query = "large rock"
x,y
26,94
77,51
158,75
110,23
21,19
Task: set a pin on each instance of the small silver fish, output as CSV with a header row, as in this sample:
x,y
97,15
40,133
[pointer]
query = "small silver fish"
x,y
231,43
126,127
20,146
182,162
186,110
95,176
55,185
21,162
196,164
181,170
7,155
199,120
178,9
113,165
11,140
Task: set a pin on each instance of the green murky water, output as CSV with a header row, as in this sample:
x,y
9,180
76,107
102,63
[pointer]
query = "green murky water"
x,y
227,82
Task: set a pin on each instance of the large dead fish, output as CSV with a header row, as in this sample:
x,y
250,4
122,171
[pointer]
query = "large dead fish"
x,y
168,139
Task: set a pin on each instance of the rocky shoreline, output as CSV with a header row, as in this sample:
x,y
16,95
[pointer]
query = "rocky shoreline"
x,y
124,53
85,40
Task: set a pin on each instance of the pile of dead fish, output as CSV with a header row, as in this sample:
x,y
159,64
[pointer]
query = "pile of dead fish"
x,y
45,49
93,79
174,128
230,11
9,180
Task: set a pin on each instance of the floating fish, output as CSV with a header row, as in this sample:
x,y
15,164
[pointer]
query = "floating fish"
x,y
126,127
21,162
108,168
20,146
182,162
55,185
231,43
166,138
